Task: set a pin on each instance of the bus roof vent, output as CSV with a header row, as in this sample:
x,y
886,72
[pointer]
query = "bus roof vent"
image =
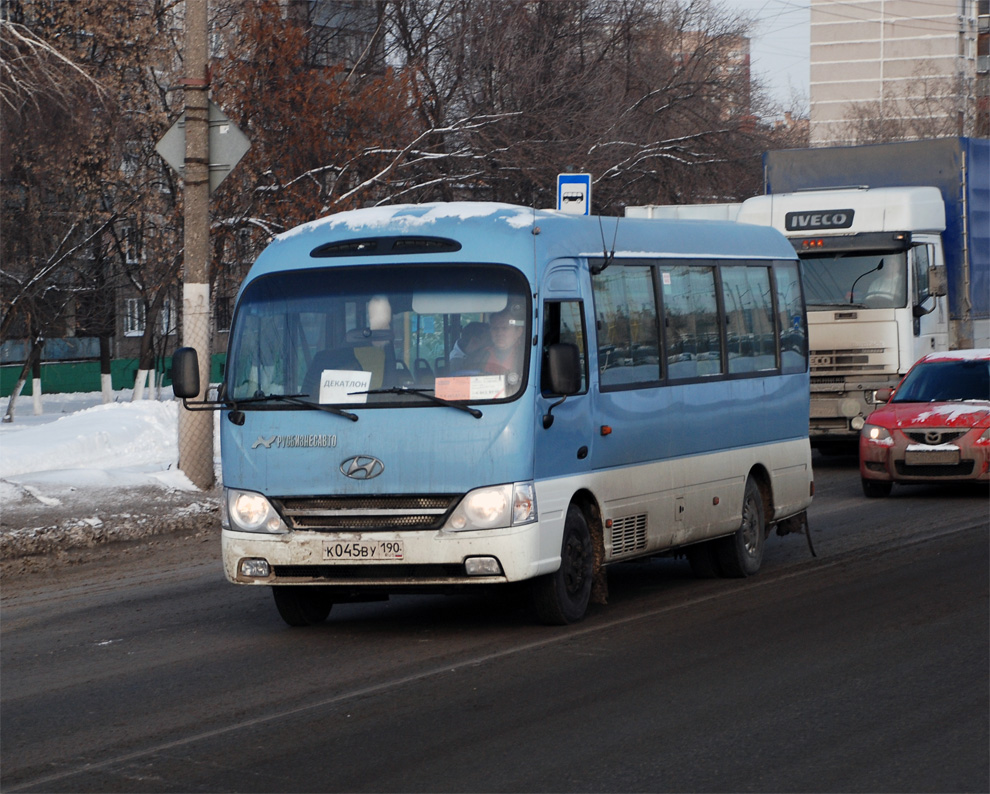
x,y
384,246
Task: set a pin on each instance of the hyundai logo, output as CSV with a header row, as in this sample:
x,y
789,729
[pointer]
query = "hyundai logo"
x,y
362,467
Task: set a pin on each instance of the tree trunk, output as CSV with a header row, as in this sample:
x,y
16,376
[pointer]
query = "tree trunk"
x,y
106,377
33,353
36,386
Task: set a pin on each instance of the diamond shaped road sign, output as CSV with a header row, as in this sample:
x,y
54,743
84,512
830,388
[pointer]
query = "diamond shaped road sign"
x,y
227,145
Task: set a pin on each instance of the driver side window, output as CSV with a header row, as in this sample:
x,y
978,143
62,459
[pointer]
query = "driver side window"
x,y
922,262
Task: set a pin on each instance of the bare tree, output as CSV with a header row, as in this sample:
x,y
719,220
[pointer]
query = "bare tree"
x,y
79,168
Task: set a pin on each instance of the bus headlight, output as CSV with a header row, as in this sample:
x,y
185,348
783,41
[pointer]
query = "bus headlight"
x,y
497,506
246,511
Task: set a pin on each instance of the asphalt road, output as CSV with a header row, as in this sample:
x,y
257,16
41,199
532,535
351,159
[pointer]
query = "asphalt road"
x,y
864,669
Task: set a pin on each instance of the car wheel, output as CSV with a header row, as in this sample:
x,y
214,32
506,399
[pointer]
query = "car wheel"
x,y
876,488
741,553
302,606
562,597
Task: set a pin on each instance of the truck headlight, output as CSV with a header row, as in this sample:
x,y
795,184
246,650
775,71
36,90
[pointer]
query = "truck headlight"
x,y
506,505
246,511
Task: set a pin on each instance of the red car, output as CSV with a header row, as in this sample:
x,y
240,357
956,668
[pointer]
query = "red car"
x,y
935,426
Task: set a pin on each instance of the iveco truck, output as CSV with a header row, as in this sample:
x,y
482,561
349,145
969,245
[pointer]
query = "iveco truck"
x,y
895,245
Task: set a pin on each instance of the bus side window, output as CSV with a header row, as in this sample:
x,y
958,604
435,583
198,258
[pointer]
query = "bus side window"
x,y
749,322
791,323
627,327
563,321
693,337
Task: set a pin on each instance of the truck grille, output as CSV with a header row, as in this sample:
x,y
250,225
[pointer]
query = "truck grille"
x,y
861,360
366,514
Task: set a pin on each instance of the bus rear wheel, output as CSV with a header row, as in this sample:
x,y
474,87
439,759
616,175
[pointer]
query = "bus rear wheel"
x,y
302,606
562,597
741,553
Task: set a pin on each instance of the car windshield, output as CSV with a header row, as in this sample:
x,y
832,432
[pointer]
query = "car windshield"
x,y
380,335
856,279
941,381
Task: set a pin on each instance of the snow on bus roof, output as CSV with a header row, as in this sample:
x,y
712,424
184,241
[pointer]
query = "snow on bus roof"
x,y
413,216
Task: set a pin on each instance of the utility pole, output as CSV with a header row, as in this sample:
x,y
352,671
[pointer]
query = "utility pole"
x,y
196,427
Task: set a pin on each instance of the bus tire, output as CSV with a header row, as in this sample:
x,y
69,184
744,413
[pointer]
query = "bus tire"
x,y
876,488
302,606
741,553
562,597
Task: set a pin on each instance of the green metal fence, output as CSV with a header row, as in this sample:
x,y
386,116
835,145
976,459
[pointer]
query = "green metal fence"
x,y
68,377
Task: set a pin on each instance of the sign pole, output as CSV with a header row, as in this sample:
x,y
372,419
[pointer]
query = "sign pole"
x,y
196,427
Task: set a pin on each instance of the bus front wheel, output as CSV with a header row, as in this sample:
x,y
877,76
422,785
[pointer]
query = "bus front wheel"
x,y
302,606
741,553
562,597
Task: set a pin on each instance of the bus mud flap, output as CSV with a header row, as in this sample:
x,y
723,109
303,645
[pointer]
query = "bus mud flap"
x,y
797,524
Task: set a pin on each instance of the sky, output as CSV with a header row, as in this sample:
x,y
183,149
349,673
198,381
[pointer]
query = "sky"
x,y
780,46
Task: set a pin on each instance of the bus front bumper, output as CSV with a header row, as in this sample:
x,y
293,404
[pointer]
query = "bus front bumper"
x,y
428,560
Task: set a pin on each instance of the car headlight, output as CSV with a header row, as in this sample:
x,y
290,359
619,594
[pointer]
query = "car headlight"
x,y
985,437
876,433
498,506
246,511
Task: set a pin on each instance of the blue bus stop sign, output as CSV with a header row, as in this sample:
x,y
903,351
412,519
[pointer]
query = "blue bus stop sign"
x,y
574,193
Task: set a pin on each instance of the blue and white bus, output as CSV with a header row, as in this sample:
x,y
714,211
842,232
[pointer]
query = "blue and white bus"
x,y
657,404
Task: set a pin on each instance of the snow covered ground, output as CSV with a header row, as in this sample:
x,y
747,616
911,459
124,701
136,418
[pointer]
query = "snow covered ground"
x,y
83,472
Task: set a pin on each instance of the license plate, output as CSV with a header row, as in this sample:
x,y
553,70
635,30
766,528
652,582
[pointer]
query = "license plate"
x,y
363,550
931,457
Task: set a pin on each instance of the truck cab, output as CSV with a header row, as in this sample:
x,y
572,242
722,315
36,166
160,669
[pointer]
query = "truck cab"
x,y
874,272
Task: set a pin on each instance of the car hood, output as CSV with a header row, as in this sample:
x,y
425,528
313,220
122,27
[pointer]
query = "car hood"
x,y
938,414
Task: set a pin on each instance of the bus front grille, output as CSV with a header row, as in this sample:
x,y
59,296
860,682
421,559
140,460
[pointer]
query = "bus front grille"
x,y
366,514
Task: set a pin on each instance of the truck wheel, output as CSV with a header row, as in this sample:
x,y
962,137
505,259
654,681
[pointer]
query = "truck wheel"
x,y
876,488
741,553
302,606
562,597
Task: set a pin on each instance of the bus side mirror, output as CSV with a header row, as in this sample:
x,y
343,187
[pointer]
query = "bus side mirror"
x,y
185,373
563,373
564,363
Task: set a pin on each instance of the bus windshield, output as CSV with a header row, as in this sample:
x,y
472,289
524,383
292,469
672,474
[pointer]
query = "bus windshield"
x,y
381,335
866,280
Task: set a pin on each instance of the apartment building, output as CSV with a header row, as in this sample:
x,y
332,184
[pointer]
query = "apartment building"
x,y
897,70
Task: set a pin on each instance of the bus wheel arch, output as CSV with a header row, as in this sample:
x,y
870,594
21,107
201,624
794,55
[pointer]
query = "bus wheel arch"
x,y
741,553
562,597
761,476
599,582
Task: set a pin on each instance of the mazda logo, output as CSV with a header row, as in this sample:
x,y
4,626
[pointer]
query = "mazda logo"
x,y
362,467
933,437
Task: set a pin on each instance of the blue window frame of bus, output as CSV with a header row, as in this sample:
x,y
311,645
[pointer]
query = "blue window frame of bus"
x,y
392,325
692,332
627,326
791,318
563,321
751,335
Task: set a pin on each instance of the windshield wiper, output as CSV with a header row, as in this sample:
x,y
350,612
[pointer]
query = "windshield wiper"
x,y
295,399
427,394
